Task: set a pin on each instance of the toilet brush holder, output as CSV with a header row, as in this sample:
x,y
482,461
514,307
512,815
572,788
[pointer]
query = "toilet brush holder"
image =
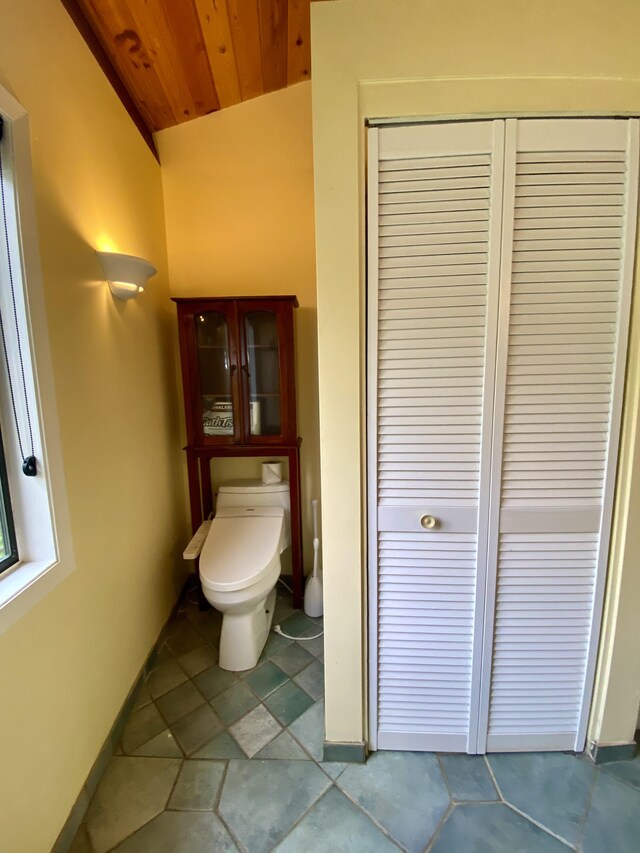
x,y
313,605
313,596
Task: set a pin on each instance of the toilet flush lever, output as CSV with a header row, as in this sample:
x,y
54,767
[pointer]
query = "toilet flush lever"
x,y
428,522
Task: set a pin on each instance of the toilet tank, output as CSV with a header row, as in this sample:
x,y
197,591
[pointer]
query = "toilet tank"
x,y
256,493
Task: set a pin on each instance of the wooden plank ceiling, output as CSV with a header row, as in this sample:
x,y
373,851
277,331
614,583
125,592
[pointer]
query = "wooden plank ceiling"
x,y
179,59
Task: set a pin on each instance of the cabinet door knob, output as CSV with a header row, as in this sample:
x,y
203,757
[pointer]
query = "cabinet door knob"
x,y
428,522
232,369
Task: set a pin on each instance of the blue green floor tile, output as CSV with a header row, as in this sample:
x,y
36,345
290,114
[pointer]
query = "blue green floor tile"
x,y
262,800
179,702
405,791
284,747
293,659
308,730
335,825
492,828
196,660
165,678
131,793
221,746
627,771
197,786
266,678
613,820
184,642
311,679
270,790
299,625
468,777
234,702
551,787
163,745
141,726
255,730
288,702
333,768
196,729
181,832
276,643
214,680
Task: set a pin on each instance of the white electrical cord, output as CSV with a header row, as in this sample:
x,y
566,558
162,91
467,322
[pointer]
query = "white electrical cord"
x,y
285,585
278,630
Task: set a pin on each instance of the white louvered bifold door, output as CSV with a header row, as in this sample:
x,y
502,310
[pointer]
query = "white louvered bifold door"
x,y
434,200
568,243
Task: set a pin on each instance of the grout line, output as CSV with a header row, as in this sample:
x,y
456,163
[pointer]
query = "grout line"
x,y
583,825
493,778
626,782
170,730
225,771
523,814
86,832
444,776
175,783
371,817
302,816
439,827
301,745
218,814
540,825
131,834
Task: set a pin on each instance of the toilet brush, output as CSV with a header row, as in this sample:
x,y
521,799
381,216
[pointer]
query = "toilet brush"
x,y
313,589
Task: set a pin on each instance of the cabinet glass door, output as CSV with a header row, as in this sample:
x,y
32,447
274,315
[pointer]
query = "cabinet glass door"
x,y
215,370
263,372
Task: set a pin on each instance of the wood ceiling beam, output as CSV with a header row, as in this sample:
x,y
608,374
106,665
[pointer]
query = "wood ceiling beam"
x,y
85,29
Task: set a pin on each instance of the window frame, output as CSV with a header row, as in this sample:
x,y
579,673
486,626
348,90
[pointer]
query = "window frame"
x,y
7,526
39,504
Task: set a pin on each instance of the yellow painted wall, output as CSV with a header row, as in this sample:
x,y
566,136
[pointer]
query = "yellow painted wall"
x,y
426,58
238,192
67,665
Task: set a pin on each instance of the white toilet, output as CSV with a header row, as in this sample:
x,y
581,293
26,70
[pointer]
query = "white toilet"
x,y
240,565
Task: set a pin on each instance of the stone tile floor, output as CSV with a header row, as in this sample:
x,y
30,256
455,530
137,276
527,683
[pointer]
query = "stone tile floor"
x,y
216,761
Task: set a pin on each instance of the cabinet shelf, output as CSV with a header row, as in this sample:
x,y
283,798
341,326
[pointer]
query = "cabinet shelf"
x,y
226,396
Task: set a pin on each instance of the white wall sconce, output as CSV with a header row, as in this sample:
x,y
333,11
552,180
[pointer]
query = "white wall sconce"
x,y
126,275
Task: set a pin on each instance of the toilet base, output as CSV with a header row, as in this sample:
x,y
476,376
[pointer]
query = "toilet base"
x,y
244,635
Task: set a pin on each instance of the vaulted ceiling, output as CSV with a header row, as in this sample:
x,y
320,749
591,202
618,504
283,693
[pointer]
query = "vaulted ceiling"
x,y
174,60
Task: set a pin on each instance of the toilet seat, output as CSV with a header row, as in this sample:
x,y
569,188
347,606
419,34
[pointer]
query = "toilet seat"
x,y
242,547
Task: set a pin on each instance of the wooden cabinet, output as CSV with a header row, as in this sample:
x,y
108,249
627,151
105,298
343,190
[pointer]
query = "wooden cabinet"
x,y
238,378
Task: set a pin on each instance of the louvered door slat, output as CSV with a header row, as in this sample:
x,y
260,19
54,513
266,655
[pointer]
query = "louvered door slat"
x,y
451,328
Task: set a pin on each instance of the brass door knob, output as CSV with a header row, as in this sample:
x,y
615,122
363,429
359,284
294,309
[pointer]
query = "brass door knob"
x,y
428,522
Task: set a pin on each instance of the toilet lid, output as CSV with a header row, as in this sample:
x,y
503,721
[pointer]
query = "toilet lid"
x,y
240,547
